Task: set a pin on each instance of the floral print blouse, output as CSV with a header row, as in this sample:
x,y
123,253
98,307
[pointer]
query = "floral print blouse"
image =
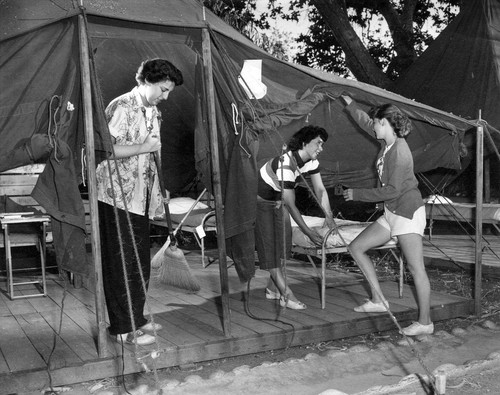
x,y
128,121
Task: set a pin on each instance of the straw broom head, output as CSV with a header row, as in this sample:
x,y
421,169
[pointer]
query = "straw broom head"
x,y
174,269
157,260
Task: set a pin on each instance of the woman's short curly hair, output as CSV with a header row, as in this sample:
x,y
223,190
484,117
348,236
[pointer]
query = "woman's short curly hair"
x,y
156,70
305,135
399,121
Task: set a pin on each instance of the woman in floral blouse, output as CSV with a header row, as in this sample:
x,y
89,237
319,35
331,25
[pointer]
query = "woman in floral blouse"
x,y
128,181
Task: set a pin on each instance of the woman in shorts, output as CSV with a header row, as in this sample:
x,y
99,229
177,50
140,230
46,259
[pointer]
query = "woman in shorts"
x,y
404,211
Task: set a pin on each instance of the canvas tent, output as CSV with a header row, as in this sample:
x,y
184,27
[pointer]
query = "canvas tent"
x,y
460,70
43,49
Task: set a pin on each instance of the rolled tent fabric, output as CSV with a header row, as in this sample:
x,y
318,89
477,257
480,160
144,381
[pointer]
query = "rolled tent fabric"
x,y
28,151
41,121
37,66
57,191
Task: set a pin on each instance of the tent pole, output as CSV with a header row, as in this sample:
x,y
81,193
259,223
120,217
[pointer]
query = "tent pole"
x,y
102,348
479,217
216,180
487,181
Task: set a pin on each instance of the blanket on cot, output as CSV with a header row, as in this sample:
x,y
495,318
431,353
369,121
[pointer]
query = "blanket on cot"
x,y
347,232
179,206
442,208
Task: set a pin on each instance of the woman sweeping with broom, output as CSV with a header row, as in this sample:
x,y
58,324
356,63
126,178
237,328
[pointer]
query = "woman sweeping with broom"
x,y
128,189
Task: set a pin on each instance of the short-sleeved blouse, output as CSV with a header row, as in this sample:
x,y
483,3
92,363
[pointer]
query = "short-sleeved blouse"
x,y
128,121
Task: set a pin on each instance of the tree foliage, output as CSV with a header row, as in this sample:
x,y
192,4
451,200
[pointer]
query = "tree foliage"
x,y
374,41
240,14
378,40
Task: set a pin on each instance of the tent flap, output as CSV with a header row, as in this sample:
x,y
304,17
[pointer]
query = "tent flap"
x,y
460,70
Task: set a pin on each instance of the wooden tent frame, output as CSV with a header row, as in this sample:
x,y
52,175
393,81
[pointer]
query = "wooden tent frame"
x,y
479,217
91,160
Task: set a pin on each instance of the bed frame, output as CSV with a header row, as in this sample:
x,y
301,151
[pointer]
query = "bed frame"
x,y
198,222
462,212
322,252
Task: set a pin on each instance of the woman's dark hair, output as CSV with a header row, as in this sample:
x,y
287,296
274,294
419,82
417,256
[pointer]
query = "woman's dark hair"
x,y
305,135
399,121
156,70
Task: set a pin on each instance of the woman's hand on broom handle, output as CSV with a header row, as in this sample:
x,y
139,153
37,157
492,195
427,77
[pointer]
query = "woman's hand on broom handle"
x,y
164,192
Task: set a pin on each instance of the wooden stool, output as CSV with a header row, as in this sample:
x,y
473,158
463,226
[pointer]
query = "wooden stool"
x,y
11,239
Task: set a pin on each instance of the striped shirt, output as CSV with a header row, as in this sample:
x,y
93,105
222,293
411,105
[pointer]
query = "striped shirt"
x,y
270,174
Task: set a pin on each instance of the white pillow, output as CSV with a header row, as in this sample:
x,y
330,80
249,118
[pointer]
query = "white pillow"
x,y
181,205
437,199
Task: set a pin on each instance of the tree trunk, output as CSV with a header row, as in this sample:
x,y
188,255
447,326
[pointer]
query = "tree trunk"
x,y
358,59
401,27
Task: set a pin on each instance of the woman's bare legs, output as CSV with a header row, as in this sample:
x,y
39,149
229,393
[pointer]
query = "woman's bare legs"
x,y
277,283
373,236
412,248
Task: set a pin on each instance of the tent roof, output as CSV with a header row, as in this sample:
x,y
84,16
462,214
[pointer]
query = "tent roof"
x,y
460,71
124,33
20,16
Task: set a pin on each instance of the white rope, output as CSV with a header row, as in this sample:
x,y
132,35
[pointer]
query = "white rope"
x,y
235,114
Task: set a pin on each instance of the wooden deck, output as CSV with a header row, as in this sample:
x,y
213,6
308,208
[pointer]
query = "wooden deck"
x,y
192,325
448,250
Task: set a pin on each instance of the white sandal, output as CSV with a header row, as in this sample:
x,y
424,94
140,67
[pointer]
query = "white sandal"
x,y
151,327
140,338
272,295
370,307
292,304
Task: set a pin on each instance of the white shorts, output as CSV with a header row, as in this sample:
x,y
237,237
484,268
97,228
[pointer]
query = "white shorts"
x,y
399,225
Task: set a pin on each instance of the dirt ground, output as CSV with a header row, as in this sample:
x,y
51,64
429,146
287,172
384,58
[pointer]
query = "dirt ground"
x,y
466,349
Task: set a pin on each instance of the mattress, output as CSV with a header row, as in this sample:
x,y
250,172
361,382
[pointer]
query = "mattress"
x,y
440,209
194,218
178,208
347,229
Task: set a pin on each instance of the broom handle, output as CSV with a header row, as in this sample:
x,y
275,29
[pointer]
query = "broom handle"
x,y
189,212
161,181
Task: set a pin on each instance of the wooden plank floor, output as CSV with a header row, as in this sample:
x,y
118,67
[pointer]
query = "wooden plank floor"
x,y
461,248
192,324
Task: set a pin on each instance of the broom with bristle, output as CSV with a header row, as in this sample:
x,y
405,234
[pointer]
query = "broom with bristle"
x,y
174,269
157,260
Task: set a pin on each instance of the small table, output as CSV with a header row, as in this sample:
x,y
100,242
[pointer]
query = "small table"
x,y
12,239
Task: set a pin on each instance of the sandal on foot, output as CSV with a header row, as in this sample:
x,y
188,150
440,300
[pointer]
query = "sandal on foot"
x,y
272,295
370,307
151,327
140,338
292,304
417,328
